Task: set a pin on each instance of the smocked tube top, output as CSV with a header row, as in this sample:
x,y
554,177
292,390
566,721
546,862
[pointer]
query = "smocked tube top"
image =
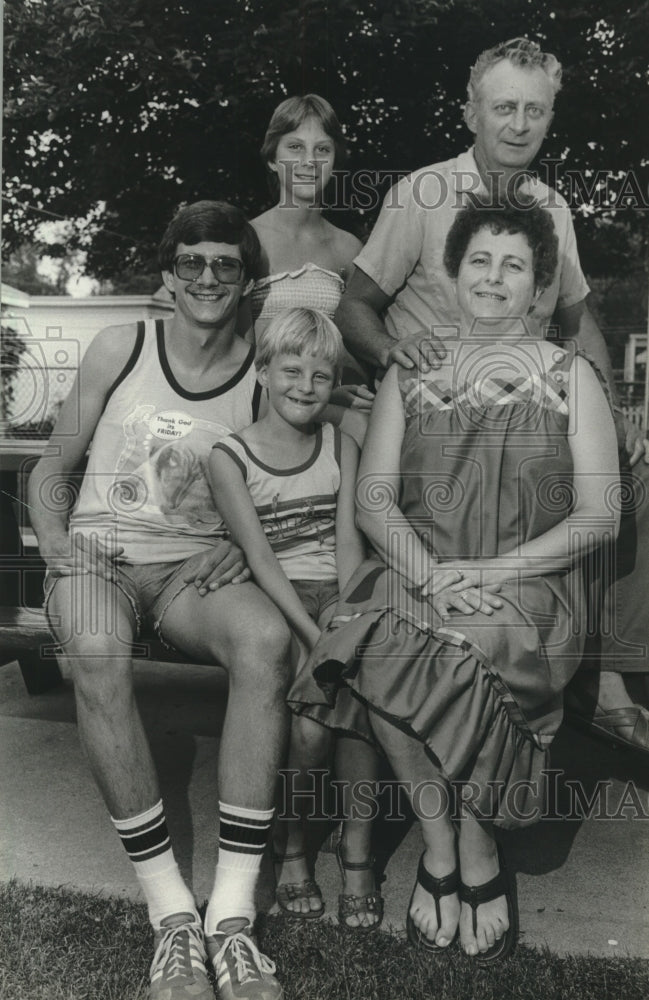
x,y
309,286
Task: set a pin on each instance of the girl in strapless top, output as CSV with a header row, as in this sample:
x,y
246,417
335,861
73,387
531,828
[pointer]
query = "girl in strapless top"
x,y
305,259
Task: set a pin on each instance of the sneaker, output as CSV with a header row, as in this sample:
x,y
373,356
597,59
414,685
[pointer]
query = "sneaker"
x,y
242,972
178,969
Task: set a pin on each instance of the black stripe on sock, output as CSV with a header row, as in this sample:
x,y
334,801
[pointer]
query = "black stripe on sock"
x,y
150,824
240,848
231,817
161,849
149,840
237,834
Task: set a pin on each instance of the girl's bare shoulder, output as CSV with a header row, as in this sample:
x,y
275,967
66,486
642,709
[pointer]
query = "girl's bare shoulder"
x,y
345,244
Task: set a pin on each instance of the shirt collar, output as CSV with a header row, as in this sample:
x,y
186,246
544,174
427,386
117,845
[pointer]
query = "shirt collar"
x,y
466,173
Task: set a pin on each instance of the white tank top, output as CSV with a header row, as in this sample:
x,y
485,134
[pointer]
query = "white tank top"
x,y
296,507
146,481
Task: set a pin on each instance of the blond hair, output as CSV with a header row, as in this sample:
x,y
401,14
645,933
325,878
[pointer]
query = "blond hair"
x,y
300,331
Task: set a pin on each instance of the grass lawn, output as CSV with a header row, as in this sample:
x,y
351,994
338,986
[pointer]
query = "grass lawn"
x,y
60,945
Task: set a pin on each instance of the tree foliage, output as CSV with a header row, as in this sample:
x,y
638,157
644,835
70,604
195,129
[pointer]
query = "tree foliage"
x,y
118,112
12,347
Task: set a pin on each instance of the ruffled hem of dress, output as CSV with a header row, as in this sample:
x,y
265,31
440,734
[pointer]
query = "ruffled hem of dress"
x,y
453,703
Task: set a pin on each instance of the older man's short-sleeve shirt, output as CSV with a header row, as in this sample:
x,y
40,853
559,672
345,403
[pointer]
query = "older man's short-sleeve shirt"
x,y
404,255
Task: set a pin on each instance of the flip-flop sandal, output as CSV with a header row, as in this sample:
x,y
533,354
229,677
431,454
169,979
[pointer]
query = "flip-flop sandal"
x,y
475,895
437,888
288,892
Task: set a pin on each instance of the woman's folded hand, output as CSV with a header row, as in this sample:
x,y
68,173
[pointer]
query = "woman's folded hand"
x,y
467,589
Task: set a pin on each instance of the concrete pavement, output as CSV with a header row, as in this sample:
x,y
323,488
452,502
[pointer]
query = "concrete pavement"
x,y
583,883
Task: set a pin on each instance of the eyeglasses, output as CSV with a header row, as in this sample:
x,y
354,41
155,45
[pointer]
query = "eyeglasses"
x,y
190,266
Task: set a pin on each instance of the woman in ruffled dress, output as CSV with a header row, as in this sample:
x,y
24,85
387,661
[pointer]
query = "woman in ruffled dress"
x,y
481,484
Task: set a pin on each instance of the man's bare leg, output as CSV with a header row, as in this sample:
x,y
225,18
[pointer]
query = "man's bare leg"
x,y
240,628
96,628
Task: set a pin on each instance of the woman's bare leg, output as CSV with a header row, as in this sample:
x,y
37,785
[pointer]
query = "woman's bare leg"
x,y
430,799
478,864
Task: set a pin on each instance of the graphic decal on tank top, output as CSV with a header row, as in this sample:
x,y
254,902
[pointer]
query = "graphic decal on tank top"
x,y
289,523
162,470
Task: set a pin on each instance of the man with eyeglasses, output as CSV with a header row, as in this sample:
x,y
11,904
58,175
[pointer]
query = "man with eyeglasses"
x,y
145,544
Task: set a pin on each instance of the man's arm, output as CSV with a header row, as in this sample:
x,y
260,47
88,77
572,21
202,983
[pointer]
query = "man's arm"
x,y
68,444
358,318
578,323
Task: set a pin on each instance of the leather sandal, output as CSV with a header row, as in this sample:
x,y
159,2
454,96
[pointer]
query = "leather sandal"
x,y
288,892
474,895
355,906
437,887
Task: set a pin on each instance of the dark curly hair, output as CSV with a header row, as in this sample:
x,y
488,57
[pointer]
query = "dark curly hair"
x,y
214,221
525,216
